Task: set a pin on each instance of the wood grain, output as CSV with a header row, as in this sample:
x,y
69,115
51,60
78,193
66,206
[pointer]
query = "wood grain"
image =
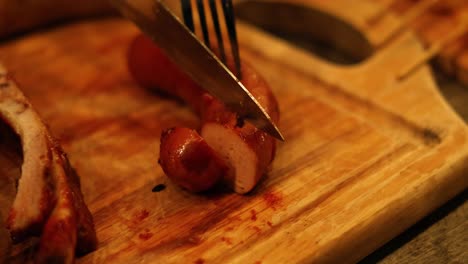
x,y
441,236
365,155
438,238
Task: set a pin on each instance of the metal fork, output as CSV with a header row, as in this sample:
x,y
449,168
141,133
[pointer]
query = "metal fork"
x,y
229,19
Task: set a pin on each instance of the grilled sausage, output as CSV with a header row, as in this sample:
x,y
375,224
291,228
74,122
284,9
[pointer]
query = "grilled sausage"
x,y
246,150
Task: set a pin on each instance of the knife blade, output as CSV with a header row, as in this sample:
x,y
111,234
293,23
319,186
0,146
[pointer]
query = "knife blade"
x,y
156,20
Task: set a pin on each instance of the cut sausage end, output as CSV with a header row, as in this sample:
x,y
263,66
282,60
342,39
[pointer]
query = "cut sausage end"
x,y
241,159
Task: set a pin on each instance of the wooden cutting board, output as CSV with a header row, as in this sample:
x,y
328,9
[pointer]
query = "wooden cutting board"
x,y
366,154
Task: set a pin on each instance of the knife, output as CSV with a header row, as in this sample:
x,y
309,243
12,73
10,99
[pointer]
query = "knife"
x,y
182,46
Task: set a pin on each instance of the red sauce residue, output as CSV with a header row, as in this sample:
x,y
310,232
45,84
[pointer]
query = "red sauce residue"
x,y
137,218
269,224
230,228
253,215
272,199
145,235
140,216
11,218
258,262
257,229
199,261
227,240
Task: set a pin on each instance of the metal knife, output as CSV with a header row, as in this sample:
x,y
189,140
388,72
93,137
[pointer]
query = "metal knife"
x,y
156,20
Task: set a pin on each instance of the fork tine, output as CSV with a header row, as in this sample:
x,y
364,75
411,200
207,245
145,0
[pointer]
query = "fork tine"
x,y
228,12
214,15
231,27
201,13
187,13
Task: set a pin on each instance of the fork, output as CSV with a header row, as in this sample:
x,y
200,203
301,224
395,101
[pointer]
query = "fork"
x,y
229,20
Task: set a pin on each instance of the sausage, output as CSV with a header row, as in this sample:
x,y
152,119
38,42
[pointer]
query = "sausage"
x,y
246,150
189,161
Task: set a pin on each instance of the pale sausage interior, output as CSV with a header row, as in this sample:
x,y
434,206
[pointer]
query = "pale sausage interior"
x,y
236,153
